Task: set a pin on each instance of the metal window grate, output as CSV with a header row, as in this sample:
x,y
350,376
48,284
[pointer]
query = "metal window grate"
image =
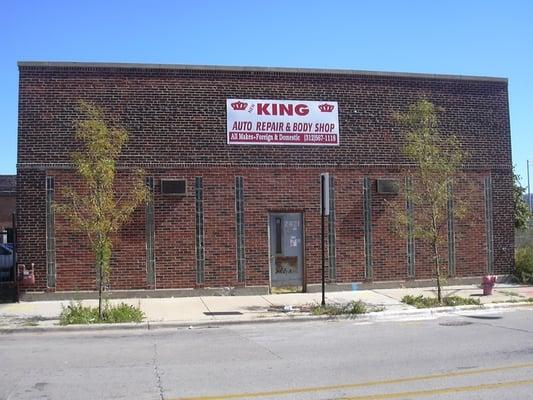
x,y
150,233
200,249
332,242
411,253
488,224
451,231
239,215
367,210
50,234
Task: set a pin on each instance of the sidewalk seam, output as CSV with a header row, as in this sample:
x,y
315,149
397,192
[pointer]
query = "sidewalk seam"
x,y
208,309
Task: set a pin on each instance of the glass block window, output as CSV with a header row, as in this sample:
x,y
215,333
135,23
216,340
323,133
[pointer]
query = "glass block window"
x,y
451,232
239,215
150,233
200,250
367,210
332,250
410,228
50,234
488,224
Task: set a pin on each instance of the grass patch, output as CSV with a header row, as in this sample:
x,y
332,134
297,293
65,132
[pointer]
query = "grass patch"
x,y
76,313
429,302
460,301
510,293
353,307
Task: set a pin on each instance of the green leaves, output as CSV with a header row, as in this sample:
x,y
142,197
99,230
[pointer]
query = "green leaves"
x,y
77,313
422,301
520,207
437,160
100,206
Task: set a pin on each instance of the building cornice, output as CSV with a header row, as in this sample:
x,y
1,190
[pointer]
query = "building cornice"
x,y
29,65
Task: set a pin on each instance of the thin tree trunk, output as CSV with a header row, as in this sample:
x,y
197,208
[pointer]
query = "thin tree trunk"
x,y
436,252
100,284
437,271
100,265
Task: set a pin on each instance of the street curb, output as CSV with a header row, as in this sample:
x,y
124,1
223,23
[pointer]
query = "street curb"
x,y
379,316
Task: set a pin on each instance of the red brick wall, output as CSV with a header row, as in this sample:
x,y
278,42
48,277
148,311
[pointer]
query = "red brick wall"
x,y
266,190
176,121
31,213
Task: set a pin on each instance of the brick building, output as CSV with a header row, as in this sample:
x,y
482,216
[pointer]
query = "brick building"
x,y
8,194
247,215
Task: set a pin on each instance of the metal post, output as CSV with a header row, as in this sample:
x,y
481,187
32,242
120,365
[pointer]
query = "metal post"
x,y
324,211
528,187
322,189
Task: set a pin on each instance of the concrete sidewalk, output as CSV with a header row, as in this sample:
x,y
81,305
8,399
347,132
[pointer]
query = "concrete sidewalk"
x,y
182,311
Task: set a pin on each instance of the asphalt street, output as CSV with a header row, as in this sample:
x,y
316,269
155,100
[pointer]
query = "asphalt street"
x,y
477,356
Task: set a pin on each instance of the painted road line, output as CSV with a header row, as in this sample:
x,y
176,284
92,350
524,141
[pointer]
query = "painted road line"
x,y
312,389
448,390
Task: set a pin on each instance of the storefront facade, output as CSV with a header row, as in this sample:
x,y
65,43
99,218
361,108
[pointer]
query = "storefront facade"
x,y
233,158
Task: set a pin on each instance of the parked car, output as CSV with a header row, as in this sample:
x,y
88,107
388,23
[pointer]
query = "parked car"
x,y
6,262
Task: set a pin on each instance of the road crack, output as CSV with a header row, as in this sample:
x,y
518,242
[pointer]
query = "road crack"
x,y
257,344
504,327
477,321
157,373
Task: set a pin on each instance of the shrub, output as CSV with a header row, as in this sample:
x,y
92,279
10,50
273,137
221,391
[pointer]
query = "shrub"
x,y
460,301
524,264
428,302
76,313
353,307
122,313
420,301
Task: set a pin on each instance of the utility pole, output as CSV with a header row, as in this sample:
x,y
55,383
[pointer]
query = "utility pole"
x,y
528,189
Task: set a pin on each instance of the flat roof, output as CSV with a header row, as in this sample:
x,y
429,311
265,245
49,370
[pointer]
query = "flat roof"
x,y
184,67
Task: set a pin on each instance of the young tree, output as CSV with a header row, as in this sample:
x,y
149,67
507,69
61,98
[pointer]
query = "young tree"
x,y
97,209
520,207
437,161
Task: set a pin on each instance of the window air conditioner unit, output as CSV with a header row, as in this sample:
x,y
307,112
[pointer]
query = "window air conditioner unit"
x,y
388,186
174,187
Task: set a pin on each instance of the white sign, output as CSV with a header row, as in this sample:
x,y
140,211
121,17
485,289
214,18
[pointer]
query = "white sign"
x,y
283,122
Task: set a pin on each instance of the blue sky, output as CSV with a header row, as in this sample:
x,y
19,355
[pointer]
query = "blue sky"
x,y
492,38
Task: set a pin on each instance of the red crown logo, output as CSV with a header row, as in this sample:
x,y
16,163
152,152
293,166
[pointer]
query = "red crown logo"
x,y
326,107
239,105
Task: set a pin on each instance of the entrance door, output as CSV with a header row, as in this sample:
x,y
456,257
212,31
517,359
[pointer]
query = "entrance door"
x,y
286,258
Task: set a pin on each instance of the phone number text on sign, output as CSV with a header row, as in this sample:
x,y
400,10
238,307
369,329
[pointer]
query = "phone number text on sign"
x,y
282,122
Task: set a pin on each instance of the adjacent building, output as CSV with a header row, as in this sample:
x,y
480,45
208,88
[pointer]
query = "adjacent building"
x,y
8,195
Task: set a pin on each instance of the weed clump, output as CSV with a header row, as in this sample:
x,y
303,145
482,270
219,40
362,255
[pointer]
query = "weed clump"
x,y
77,313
